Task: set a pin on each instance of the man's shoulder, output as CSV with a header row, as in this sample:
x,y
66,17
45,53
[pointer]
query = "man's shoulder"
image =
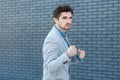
x,y
53,33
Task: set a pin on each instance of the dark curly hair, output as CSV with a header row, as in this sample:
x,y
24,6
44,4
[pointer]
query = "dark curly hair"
x,y
60,9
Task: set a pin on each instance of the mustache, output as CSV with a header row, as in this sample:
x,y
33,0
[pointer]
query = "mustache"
x,y
68,24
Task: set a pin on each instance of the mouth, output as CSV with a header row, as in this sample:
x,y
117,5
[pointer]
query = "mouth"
x,y
68,25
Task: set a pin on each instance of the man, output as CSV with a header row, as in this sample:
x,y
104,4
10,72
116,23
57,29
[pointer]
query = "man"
x,y
57,51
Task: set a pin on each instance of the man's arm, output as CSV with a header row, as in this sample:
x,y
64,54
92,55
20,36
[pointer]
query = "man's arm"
x,y
53,59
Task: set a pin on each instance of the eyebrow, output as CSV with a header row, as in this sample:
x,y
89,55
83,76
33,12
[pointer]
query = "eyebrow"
x,y
64,17
71,17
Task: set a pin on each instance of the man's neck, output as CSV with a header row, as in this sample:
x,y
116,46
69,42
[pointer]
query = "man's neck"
x,y
59,28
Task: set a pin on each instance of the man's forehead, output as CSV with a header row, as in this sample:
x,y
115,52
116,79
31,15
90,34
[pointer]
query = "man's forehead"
x,y
66,14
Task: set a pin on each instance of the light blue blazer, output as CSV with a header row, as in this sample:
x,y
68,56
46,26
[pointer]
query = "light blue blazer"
x,y
54,56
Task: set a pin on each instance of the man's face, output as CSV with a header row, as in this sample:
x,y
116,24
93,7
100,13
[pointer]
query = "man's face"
x,y
64,21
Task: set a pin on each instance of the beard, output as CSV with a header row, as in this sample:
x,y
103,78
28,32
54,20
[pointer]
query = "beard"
x,y
67,26
64,27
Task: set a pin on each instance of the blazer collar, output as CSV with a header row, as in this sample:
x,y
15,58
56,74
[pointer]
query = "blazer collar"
x,y
61,35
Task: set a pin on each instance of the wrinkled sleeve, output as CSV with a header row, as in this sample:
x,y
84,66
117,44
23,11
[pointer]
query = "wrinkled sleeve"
x,y
53,61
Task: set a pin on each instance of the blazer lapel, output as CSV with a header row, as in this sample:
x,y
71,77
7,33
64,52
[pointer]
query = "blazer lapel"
x,y
61,38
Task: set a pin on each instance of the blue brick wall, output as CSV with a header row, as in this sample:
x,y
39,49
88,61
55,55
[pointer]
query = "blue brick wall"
x,y
25,23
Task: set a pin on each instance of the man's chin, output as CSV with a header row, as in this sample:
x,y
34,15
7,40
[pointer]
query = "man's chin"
x,y
68,29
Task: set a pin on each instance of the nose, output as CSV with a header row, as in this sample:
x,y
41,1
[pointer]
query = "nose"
x,y
69,21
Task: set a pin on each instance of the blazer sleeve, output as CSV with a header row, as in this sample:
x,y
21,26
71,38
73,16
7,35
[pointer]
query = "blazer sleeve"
x,y
53,61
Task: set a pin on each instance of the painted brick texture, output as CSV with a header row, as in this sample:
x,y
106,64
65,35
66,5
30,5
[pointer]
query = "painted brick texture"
x,y
24,25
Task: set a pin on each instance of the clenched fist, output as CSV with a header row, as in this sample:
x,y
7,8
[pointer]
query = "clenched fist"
x,y
81,53
71,51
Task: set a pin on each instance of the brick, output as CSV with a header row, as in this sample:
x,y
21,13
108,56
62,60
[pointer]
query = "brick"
x,y
25,24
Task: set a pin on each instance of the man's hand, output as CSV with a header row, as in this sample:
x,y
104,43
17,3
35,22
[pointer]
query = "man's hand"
x,y
81,53
71,51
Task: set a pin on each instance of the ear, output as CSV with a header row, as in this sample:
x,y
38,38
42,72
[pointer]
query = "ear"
x,y
55,20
